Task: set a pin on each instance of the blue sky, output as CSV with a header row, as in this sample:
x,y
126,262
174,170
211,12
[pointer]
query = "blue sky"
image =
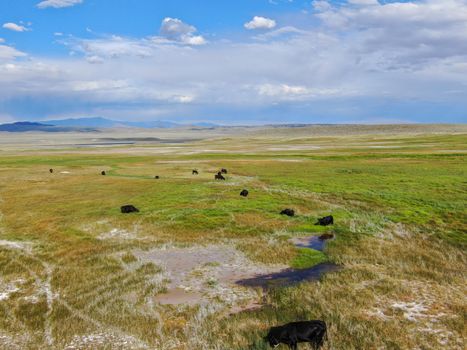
x,y
234,62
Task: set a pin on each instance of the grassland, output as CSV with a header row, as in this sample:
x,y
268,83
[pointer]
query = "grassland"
x,y
72,276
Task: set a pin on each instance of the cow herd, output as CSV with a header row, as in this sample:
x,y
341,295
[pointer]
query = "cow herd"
x,y
312,332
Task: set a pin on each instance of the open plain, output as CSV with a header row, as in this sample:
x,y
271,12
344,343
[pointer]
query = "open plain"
x,y
75,273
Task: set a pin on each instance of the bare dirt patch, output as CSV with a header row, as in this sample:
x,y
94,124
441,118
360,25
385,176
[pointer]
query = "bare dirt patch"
x,y
202,273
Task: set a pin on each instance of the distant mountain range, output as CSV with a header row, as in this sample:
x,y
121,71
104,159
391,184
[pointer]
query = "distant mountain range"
x,y
30,126
91,124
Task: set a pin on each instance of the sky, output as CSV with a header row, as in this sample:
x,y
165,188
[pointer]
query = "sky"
x,y
234,62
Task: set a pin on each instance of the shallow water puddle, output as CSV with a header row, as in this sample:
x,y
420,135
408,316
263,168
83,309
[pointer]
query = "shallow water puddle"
x,y
291,276
313,242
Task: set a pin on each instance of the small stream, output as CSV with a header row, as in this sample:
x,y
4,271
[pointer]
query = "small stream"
x,y
291,276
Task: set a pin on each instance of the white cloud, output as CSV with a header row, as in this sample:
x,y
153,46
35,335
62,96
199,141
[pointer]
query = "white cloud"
x,y
8,53
280,32
98,85
15,27
259,22
194,40
184,99
321,5
113,47
402,34
288,92
2,40
282,90
95,59
176,30
58,3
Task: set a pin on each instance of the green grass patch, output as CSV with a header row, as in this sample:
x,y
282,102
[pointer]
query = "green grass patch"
x,y
307,257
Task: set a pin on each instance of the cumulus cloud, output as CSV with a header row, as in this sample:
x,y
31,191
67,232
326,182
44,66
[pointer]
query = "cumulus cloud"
x,y
176,30
15,27
259,22
58,3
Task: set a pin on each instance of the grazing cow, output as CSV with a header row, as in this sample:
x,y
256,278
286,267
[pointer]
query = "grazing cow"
x,y
224,171
313,332
51,171
156,177
102,172
219,176
244,193
325,236
194,172
126,209
288,212
325,221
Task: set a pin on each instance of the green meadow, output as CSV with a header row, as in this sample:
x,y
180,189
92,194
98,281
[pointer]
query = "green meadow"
x,y
73,276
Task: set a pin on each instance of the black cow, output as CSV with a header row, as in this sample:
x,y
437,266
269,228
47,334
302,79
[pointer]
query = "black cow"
x,y
313,332
194,172
156,177
224,171
288,212
244,193
325,221
51,171
126,209
102,172
219,176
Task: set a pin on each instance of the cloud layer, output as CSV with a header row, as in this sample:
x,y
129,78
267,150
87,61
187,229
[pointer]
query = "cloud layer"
x,y
362,59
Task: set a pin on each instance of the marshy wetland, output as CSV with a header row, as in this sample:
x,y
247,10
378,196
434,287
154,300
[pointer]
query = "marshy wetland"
x,y
187,270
